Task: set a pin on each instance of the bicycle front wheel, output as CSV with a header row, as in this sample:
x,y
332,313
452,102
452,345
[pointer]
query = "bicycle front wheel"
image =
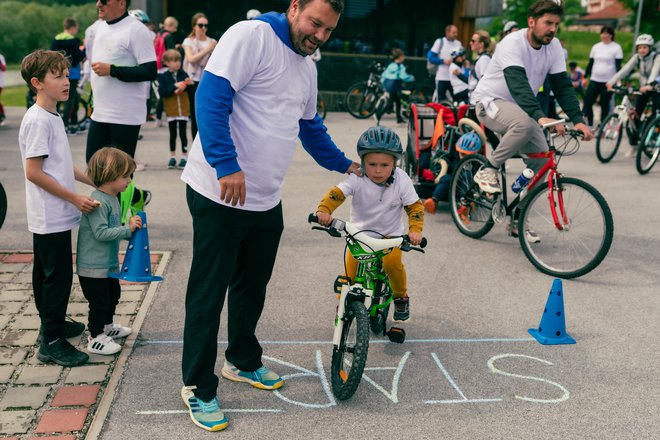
x,y
471,210
349,359
583,240
360,100
649,148
609,137
3,205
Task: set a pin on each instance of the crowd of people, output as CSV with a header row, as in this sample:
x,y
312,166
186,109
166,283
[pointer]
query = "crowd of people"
x,y
261,69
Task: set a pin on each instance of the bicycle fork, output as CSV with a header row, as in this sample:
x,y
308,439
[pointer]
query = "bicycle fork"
x,y
346,290
557,207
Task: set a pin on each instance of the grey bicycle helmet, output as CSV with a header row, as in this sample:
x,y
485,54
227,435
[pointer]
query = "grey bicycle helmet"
x,y
645,39
380,139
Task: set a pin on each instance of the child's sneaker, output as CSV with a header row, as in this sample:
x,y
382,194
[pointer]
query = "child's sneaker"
x,y
102,344
116,331
263,378
172,163
206,415
430,205
182,163
62,353
401,309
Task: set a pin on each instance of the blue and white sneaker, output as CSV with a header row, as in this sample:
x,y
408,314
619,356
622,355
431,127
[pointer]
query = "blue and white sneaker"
x,y
263,378
206,415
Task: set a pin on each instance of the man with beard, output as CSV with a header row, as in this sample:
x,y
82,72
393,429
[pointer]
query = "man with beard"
x,y
505,97
257,95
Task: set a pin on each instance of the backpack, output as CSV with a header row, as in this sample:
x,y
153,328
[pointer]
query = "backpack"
x,y
433,68
159,46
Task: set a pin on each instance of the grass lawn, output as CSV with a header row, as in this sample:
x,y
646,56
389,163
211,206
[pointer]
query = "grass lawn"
x,y
14,96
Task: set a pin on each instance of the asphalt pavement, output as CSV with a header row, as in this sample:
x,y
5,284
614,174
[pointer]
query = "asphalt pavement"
x,y
468,369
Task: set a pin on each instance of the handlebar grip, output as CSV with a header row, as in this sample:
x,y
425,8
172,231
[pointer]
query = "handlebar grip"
x,y
312,218
423,243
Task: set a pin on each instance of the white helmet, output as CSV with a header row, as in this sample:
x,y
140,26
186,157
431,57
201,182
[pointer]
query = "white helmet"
x,y
253,13
644,39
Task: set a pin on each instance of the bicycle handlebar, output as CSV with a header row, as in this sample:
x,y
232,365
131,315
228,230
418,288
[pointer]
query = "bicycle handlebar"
x,y
338,225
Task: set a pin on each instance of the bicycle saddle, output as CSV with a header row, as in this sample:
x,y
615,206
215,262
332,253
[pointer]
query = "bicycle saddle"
x,y
372,243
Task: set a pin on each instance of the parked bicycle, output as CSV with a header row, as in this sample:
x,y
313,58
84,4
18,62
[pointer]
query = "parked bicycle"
x,y
411,94
360,99
363,303
611,129
564,224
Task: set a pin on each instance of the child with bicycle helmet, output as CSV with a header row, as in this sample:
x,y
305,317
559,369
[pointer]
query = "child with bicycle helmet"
x,y
647,61
458,78
379,198
393,78
468,143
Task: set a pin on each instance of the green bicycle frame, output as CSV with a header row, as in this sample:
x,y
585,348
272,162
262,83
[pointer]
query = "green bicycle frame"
x,y
370,273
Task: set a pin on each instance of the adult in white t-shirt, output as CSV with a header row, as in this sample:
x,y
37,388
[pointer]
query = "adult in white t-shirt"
x,y
256,98
440,54
604,61
198,48
506,95
123,64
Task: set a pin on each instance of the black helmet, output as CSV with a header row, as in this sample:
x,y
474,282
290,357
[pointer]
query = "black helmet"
x,y
380,139
457,53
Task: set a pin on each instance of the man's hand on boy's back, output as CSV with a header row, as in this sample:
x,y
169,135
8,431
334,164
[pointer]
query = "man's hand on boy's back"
x,y
84,204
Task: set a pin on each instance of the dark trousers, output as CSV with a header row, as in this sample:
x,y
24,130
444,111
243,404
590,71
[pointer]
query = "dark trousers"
x,y
102,294
232,249
52,275
183,135
70,113
192,89
443,88
103,134
594,89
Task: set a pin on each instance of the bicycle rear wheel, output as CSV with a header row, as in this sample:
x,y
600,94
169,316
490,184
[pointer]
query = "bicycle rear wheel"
x,y
609,138
349,359
471,210
3,205
581,245
360,100
649,148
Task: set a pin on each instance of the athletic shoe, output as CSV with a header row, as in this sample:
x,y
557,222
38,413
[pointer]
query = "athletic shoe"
x,y
116,331
102,344
140,166
182,163
530,235
632,152
61,353
172,163
72,328
71,131
401,309
206,415
263,378
430,205
487,180
159,123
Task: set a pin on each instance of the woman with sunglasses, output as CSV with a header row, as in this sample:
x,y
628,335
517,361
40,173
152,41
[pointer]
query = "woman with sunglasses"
x,y
198,47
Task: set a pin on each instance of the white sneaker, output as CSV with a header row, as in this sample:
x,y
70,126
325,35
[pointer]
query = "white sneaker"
x,y
488,180
102,344
116,331
631,153
530,235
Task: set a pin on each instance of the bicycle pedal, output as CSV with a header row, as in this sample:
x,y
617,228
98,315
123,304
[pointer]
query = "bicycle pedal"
x,y
396,334
341,281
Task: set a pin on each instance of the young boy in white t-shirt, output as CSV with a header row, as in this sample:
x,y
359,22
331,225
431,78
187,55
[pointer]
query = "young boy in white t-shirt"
x,y
52,203
458,78
378,199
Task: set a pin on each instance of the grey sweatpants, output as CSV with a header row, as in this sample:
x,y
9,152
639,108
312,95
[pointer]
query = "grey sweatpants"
x,y
520,133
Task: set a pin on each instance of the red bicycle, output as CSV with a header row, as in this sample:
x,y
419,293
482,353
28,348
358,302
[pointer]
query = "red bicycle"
x,y
564,226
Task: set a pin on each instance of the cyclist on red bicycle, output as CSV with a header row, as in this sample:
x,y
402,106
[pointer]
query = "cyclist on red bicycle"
x,y
505,97
648,63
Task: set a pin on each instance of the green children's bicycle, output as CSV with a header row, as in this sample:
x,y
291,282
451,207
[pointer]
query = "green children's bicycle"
x,y
363,303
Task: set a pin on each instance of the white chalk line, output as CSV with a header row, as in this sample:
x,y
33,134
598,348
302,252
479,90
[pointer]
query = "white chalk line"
x,y
185,411
373,341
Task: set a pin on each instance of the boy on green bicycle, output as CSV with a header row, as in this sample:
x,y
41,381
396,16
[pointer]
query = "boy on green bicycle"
x,y
378,198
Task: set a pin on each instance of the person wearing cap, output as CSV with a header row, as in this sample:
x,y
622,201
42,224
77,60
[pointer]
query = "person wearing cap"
x,y
458,78
379,199
440,54
604,61
647,61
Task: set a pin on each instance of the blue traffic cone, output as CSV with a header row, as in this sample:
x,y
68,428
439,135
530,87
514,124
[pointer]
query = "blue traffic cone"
x,y
552,329
137,261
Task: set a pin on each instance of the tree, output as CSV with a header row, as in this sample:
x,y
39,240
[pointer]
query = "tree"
x,y
650,14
